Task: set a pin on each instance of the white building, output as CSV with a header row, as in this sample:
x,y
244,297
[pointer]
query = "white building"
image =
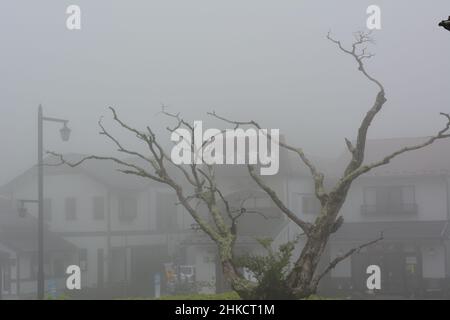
x,y
18,259
126,228
408,201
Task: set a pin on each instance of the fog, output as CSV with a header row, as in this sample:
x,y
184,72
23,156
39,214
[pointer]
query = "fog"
x,y
255,60
268,61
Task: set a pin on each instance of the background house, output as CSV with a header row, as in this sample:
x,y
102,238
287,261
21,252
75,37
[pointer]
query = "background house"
x,y
126,230
18,259
408,201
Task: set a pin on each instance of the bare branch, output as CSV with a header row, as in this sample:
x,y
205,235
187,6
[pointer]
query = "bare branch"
x,y
176,116
361,38
138,170
138,134
201,180
119,145
305,226
350,146
442,134
316,174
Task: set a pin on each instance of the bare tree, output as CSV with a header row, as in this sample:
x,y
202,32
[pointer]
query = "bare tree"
x,y
195,185
304,277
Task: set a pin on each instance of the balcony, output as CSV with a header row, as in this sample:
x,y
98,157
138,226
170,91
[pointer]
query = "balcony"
x,y
389,209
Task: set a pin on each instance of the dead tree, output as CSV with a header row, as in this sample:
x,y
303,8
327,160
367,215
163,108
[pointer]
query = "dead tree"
x,y
304,277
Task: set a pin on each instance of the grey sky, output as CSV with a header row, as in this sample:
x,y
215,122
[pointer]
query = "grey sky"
x,y
266,60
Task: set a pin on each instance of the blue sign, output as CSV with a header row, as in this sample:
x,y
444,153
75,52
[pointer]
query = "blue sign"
x,y
51,288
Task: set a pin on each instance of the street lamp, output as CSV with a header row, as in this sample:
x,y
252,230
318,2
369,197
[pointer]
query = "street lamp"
x,y
65,135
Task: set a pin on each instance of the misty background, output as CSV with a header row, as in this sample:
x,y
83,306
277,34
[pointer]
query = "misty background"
x,y
262,60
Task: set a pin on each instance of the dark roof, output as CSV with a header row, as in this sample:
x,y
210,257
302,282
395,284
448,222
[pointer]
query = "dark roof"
x,y
20,233
392,230
431,160
106,172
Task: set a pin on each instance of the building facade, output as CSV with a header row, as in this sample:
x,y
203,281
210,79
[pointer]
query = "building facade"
x,y
127,231
406,201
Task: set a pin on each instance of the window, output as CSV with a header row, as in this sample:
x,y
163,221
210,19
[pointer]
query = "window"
x,y
127,208
389,200
166,212
47,209
98,208
71,209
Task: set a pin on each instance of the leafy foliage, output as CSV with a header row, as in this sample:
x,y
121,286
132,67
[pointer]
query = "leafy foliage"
x,y
270,270
199,296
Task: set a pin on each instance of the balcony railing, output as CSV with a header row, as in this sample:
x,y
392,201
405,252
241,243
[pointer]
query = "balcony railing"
x,y
389,209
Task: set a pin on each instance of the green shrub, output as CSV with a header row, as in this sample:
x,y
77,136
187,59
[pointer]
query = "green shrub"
x,y
220,296
195,296
316,297
270,270
61,296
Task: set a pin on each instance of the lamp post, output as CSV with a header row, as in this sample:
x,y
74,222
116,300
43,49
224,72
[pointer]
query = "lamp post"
x,y
65,134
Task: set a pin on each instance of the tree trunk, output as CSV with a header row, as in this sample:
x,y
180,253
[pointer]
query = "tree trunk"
x,y
300,279
242,286
238,283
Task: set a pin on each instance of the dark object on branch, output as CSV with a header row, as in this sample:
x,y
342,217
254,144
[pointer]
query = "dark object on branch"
x,y
445,24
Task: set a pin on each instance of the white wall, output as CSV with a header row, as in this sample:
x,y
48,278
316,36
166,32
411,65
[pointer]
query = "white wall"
x,y
58,188
344,268
429,195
